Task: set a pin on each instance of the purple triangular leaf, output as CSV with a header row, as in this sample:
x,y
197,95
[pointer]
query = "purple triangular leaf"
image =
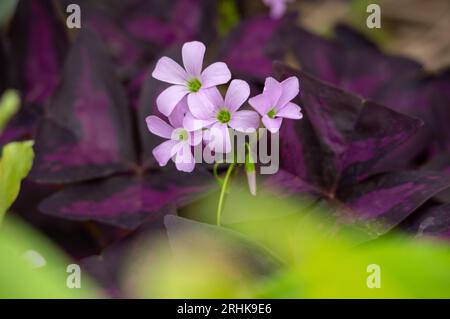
x,y
251,48
127,201
385,200
38,48
432,221
87,130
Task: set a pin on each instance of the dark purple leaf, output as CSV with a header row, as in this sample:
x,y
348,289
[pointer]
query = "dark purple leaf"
x,y
432,221
87,130
184,20
21,126
38,48
352,135
441,163
126,201
251,48
360,69
385,200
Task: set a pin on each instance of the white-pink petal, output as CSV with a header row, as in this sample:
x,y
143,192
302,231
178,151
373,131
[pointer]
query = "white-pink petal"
x,y
169,98
244,121
290,89
193,54
191,123
164,151
290,111
159,127
218,138
237,93
273,125
184,161
167,70
272,89
215,74
204,104
261,103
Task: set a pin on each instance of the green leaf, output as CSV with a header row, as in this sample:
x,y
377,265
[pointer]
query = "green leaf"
x,y
7,8
31,267
15,164
9,105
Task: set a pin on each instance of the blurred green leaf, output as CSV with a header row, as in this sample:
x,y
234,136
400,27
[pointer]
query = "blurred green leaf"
x,y
15,164
7,8
228,16
31,267
9,105
320,258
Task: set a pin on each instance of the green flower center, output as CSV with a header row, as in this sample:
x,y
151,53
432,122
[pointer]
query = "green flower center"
x,y
224,116
183,135
194,85
271,114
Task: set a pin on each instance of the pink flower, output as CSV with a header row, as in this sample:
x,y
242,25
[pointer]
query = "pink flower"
x,y
277,7
209,109
274,103
179,141
190,80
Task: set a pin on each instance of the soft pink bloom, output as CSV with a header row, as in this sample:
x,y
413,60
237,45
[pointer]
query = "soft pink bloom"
x,y
277,7
189,80
179,140
209,109
274,103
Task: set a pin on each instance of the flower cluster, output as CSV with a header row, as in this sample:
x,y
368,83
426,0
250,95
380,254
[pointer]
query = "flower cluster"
x,y
197,112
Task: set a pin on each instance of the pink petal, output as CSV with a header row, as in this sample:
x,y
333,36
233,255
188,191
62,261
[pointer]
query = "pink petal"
x,y
169,98
290,111
191,123
261,103
238,92
290,89
273,89
273,125
184,161
178,113
244,121
164,151
158,126
204,104
218,138
167,70
215,74
193,53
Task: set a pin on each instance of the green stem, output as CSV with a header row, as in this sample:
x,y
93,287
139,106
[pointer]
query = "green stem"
x,y
222,193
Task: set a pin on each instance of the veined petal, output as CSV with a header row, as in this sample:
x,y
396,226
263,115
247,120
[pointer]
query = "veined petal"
x,y
167,70
261,103
272,89
290,111
238,92
273,125
290,89
184,161
193,54
178,113
244,121
191,123
204,104
215,74
164,151
169,98
218,138
159,127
